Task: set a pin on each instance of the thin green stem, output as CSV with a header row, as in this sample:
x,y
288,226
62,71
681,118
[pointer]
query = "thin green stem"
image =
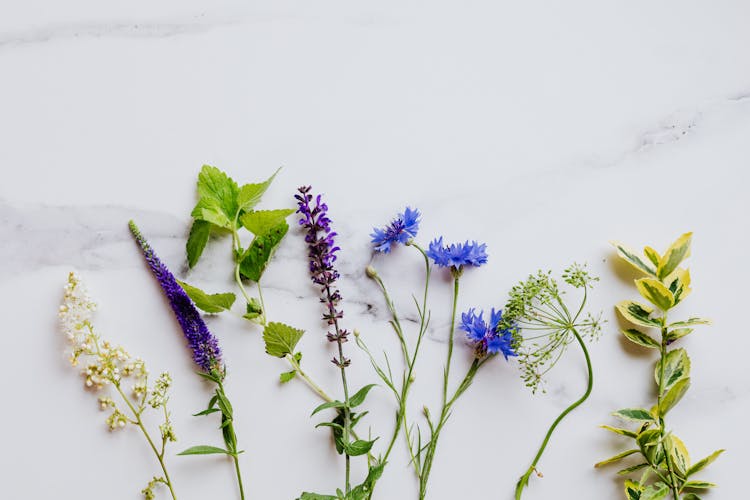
x,y
310,382
673,484
263,315
230,438
524,480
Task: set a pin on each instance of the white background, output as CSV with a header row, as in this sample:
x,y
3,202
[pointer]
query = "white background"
x,y
542,128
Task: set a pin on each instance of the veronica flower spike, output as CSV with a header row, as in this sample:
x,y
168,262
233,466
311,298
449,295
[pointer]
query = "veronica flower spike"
x,y
205,352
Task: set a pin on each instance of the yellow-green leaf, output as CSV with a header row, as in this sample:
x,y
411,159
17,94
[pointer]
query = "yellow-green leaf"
x,y
634,414
622,432
690,322
676,368
673,395
616,458
702,464
655,292
676,253
652,255
679,284
633,490
631,257
699,485
678,453
677,334
640,338
637,313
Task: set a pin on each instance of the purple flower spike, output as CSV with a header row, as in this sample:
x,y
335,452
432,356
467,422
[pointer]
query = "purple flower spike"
x,y
205,346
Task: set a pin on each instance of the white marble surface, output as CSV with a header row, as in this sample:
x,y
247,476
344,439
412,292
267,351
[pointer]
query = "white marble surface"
x,y
543,128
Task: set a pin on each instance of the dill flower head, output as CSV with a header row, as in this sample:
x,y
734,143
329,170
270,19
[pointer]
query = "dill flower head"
x,y
400,230
487,337
204,346
457,255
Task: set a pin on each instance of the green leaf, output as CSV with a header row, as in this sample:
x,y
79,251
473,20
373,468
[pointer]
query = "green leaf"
x,y
652,255
256,258
675,254
634,415
204,450
622,432
333,425
678,453
358,447
673,395
207,411
699,485
215,185
250,194
287,376
631,469
629,255
197,241
316,496
253,310
677,334
616,458
691,496
676,367
224,404
363,491
655,292
262,221
657,491
329,404
281,339
640,338
359,398
633,490
679,284
213,303
702,464
650,444
690,322
637,313
210,210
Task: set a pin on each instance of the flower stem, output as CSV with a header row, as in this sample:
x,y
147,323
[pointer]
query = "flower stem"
x,y
310,382
524,480
159,456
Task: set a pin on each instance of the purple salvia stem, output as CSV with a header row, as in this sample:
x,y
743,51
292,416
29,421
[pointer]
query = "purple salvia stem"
x,y
202,343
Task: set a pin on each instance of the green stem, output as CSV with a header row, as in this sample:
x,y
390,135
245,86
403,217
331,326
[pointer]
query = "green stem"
x,y
310,382
524,480
230,439
662,426
139,422
237,470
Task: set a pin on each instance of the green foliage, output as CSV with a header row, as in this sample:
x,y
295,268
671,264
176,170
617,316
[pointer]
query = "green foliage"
x,y
667,460
210,303
199,233
281,339
254,260
204,450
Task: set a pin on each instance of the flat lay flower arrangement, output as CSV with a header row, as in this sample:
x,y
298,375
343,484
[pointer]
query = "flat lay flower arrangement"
x,y
542,319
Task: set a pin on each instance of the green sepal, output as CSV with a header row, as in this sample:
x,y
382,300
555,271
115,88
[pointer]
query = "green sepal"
x,y
281,339
210,303
197,240
640,338
637,313
673,395
615,458
655,292
703,463
256,257
204,450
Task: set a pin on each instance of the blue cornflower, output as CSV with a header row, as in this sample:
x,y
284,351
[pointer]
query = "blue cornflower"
x,y
401,229
457,255
488,337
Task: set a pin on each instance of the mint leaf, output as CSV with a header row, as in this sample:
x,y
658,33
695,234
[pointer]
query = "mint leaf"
x,y
255,260
250,194
213,184
213,303
253,310
210,210
261,222
280,339
197,240
287,376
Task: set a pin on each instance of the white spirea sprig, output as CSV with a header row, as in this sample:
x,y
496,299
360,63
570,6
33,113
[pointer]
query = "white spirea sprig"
x,y
104,364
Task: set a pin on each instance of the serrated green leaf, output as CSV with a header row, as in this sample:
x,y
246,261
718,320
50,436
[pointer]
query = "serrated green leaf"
x,y
675,254
287,376
631,257
640,338
359,397
634,414
262,221
281,339
256,258
616,458
210,210
676,367
637,313
213,184
250,194
622,432
196,242
699,485
210,303
673,395
358,447
703,463
655,292
204,450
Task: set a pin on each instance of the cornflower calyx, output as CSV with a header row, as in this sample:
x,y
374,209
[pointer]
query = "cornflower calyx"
x,y
401,229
